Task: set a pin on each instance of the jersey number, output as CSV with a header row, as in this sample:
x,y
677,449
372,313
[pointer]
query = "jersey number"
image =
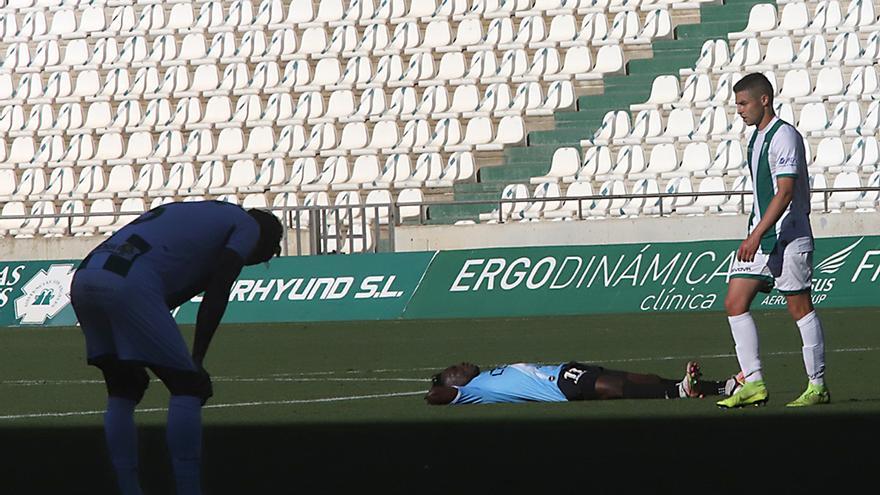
x,y
573,374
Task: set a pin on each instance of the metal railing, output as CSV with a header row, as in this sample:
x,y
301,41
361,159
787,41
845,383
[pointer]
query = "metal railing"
x,y
368,227
826,192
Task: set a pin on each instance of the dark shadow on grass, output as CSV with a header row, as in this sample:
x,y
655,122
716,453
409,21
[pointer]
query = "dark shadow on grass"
x,y
734,453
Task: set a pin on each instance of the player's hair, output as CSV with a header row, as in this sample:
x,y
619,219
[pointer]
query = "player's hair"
x,y
756,84
271,232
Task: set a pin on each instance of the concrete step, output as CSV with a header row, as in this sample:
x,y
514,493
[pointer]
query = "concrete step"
x,y
529,153
561,136
706,30
447,214
508,175
663,65
473,187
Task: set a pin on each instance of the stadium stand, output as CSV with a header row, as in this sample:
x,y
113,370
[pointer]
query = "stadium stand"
x,y
688,131
118,106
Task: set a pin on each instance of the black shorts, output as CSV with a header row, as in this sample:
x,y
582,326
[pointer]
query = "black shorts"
x,y
577,381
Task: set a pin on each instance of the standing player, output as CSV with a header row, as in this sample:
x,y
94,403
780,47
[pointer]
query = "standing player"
x,y
123,293
524,382
778,249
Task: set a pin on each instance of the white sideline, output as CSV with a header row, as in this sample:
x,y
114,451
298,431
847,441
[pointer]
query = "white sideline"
x,y
303,376
272,378
220,406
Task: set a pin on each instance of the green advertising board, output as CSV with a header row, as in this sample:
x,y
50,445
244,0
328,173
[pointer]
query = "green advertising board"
x,y
625,278
322,288
526,281
313,288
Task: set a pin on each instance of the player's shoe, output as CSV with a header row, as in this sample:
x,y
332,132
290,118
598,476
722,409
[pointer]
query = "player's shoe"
x,y
812,396
751,394
690,385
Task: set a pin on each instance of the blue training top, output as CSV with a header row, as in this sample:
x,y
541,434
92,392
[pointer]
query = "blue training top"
x,y
179,242
521,382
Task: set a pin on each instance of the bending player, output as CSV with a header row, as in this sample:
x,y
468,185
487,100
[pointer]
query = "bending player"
x,y
779,248
123,292
523,382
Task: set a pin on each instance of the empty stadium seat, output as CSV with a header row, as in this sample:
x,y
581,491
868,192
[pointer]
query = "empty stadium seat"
x,y
506,208
845,199
542,204
565,163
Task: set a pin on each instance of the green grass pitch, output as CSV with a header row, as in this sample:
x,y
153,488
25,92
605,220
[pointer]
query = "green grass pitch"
x,y
324,408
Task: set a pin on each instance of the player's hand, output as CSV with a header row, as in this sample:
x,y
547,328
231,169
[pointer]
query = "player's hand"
x,y
748,248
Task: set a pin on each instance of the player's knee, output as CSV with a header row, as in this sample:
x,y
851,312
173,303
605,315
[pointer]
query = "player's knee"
x,y
196,384
609,386
125,380
799,305
735,305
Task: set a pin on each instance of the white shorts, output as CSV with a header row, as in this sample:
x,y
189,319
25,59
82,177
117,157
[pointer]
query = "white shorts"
x,y
127,318
791,272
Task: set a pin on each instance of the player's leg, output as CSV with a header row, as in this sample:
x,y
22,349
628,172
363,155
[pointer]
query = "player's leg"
x,y
189,391
794,284
580,381
741,291
588,382
621,384
614,384
126,384
92,295
151,336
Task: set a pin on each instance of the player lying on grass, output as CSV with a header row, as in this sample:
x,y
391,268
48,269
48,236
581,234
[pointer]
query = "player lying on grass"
x,y
523,382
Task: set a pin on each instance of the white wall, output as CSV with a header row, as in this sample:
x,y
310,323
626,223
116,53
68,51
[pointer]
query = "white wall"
x,y
440,237
613,231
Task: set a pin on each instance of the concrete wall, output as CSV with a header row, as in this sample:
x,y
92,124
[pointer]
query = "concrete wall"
x,y
613,231
58,248
442,237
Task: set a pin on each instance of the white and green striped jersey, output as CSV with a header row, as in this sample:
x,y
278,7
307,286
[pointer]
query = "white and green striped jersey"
x,y
778,151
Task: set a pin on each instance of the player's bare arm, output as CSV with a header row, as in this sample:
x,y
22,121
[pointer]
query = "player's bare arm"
x,y
440,395
214,302
777,206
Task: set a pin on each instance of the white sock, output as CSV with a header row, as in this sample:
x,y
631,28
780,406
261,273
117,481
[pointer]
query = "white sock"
x,y
121,434
745,336
814,347
184,437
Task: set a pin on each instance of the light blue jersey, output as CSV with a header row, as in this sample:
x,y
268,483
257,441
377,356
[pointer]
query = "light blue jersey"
x,y
521,382
177,244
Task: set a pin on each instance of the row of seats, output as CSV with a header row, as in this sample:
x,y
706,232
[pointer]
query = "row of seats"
x,y
243,176
158,47
237,78
698,160
847,50
105,216
713,124
765,20
697,89
798,86
190,113
549,202
355,138
97,20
